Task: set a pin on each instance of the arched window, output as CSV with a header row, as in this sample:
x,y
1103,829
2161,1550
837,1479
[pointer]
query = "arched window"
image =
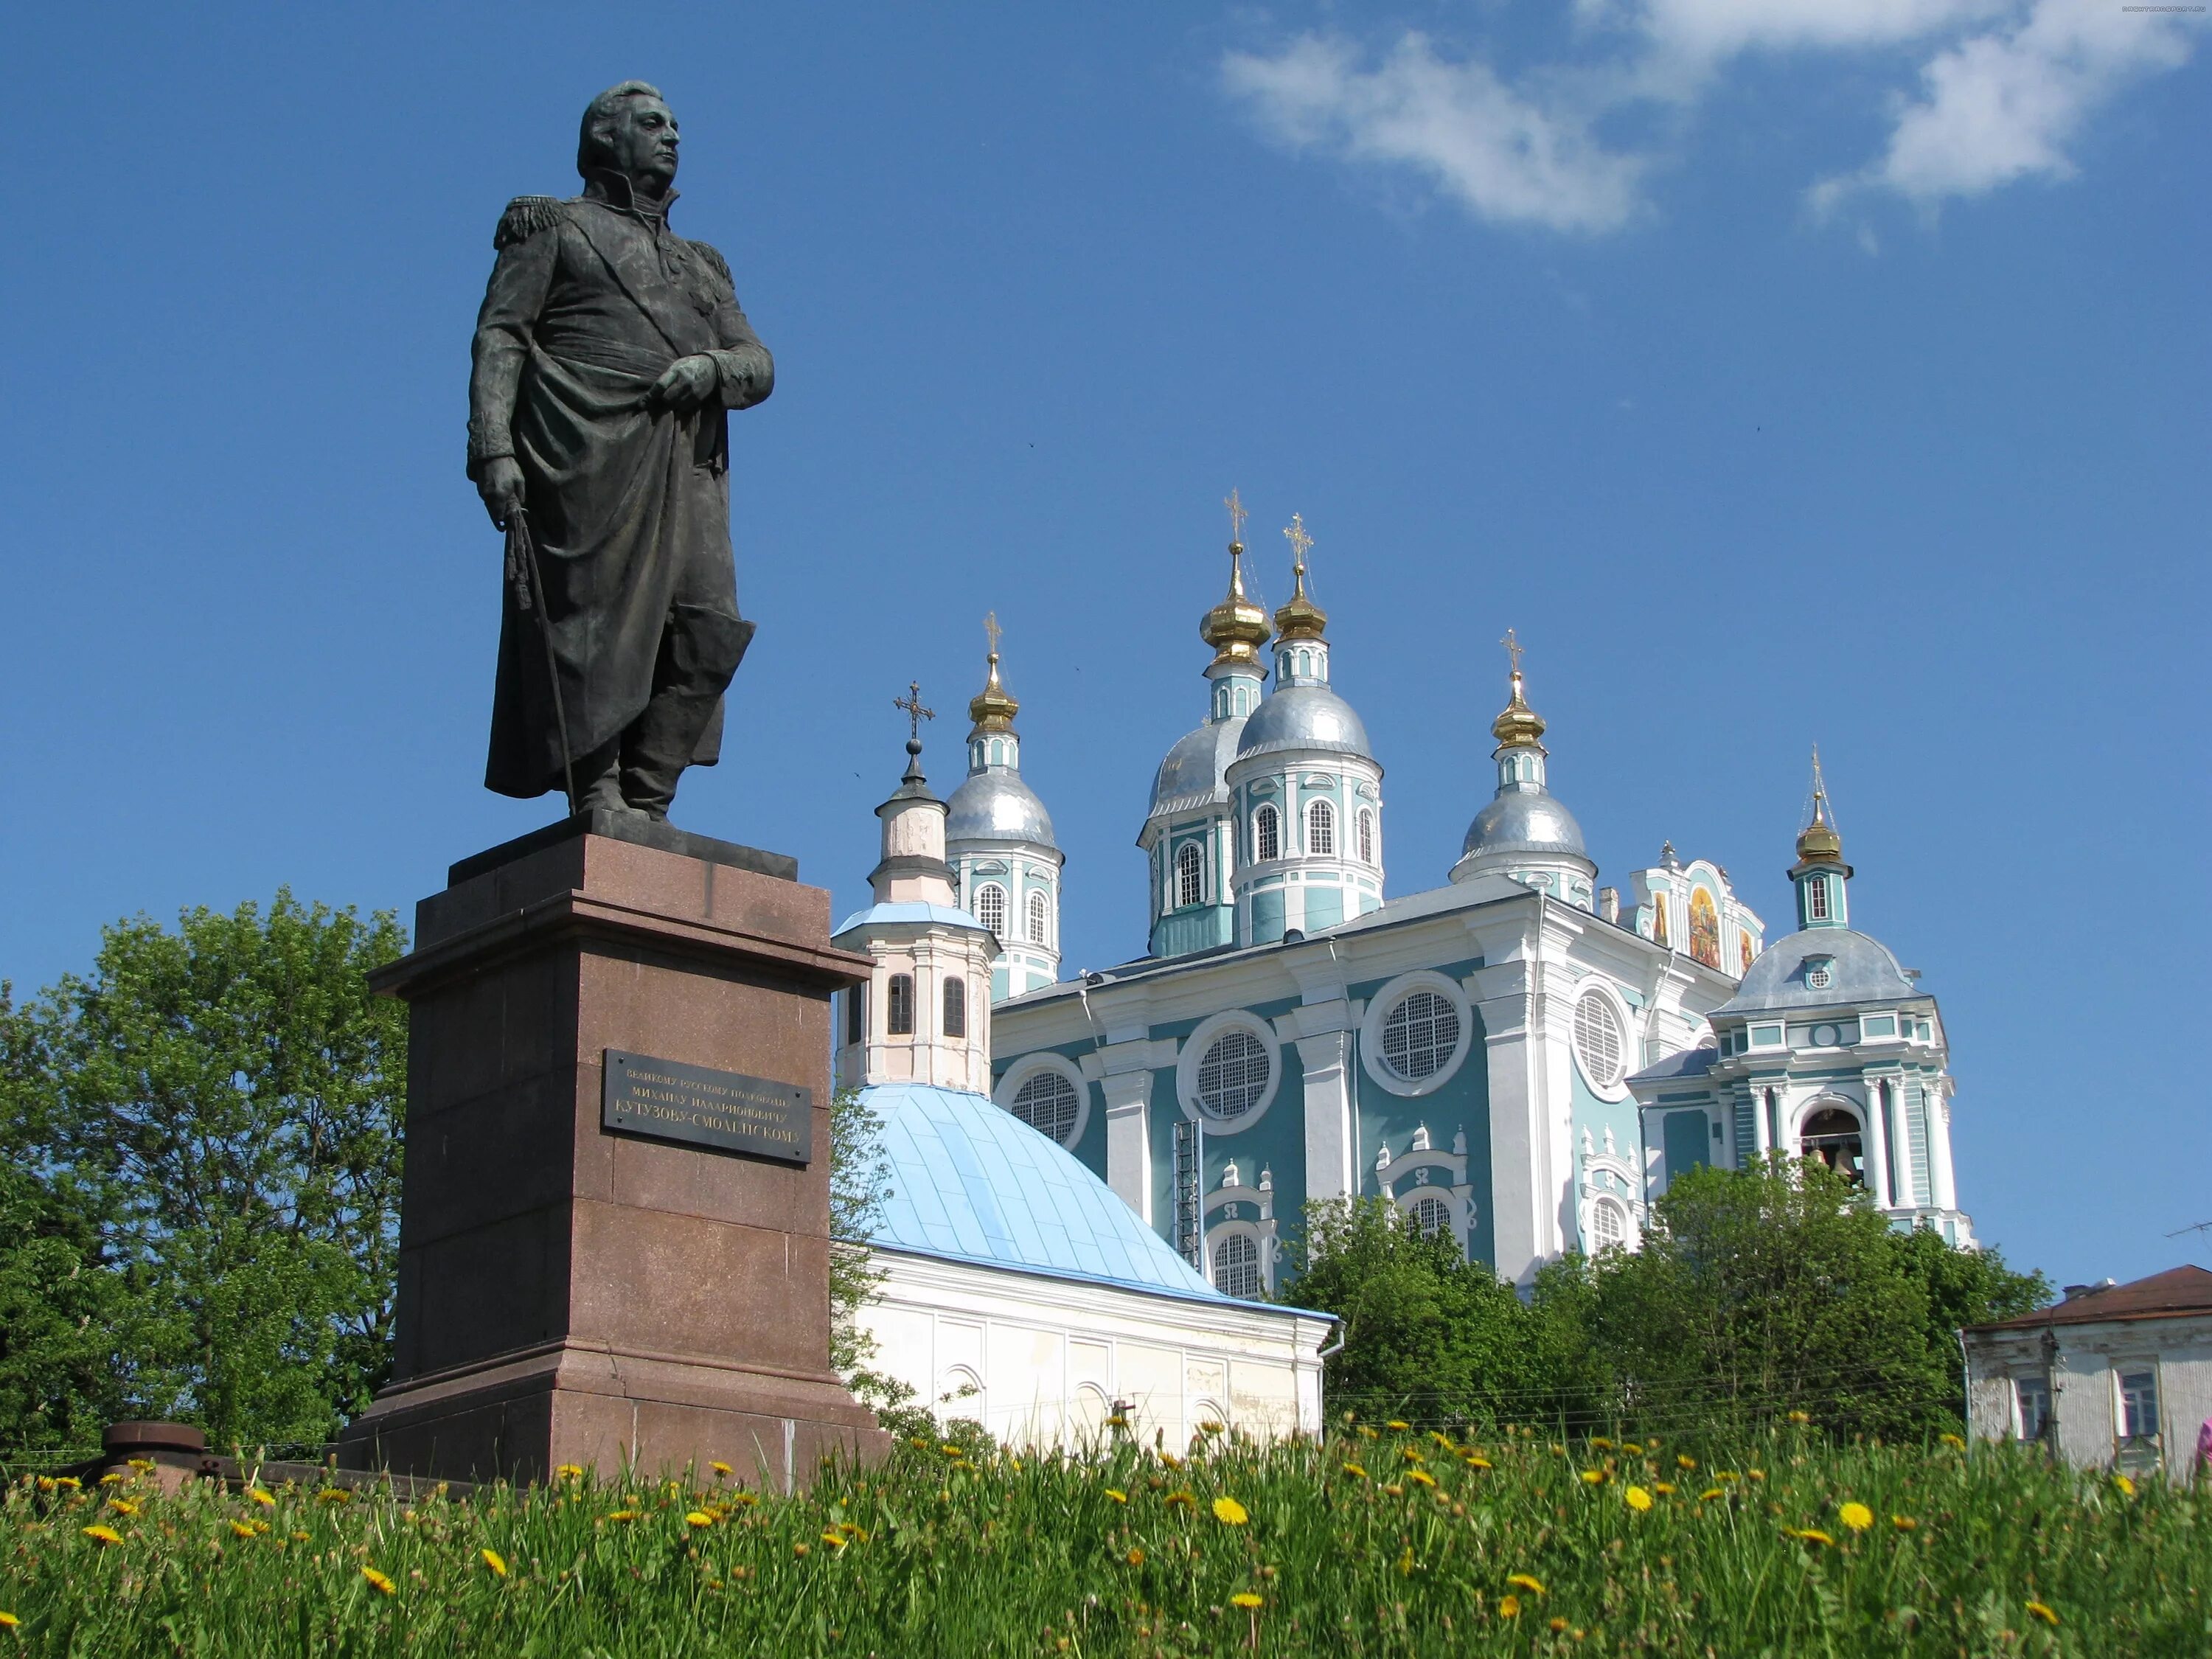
x,y
1420,1036
991,907
1608,1224
1047,1103
1040,919
1366,836
1597,1038
1321,829
1832,1134
1816,898
900,1009
1190,874
1431,1215
1233,1075
1237,1267
956,1007
1267,835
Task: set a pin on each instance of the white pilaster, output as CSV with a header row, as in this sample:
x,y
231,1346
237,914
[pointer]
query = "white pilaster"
x,y
1128,1139
1332,1152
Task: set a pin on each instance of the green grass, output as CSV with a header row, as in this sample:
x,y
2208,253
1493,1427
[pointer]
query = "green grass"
x,y
983,1553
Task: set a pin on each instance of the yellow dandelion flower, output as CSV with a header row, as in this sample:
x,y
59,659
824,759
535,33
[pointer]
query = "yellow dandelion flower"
x,y
1441,1438
1421,1476
1508,1607
1182,1497
952,1450
1355,1471
722,1469
1395,1490
801,1549
334,1495
1799,1417
1594,1477
1856,1516
111,1479
123,1506
836,1541
621,1515
1525,1582
1757,1474
1399,1424
567,1471
1632,1449
1171,1460
1903,1522
1556,1450
1476,1461
2044,1611
68,1483
9,1621
1231,1513
495,1560
378,1582
1210,1427
1245,1599
47,1483
1119,1496
1815,1535
1682,1461
1600,1442
1711,1493
103,1534
1725,1475
1558,1625
698,1518
1639,1499
1664,1488
1135,1557
267,1500
1953,1440
242,1530
2127,1487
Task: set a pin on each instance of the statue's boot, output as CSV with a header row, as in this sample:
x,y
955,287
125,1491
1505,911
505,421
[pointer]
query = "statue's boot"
x,y
599,780
699,653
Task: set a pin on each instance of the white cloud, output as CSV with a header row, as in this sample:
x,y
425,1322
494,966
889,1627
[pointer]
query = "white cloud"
x,y
1506,156
2006,88
2006,104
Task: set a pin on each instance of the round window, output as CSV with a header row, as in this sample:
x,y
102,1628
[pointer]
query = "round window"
x,y
1047,1102
1598,1039
1233,1076
1420,1035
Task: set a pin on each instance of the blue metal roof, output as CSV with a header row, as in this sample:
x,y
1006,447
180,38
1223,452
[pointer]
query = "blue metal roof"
x,y
1861,970
972,1182
874,914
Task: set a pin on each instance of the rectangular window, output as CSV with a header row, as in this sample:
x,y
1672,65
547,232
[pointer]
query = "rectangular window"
x,y
956,1007
856,1015
901,1011
1816,898
1878,1025
1766,1036
2031,1403
2138,1404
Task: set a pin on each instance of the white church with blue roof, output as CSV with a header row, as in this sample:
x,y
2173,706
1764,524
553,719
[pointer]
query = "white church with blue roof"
x,y
1018,1289
1519,1057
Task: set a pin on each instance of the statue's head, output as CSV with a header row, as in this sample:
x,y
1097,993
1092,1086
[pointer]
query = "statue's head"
x,y
628,130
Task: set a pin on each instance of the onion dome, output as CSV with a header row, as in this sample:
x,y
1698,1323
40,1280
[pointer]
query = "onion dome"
x,y
993,708
1302,717
1236,628
1818,842
1300,618
1524,823
1518,726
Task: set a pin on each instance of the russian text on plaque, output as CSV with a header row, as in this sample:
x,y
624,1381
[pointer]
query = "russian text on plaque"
x,y
668,1100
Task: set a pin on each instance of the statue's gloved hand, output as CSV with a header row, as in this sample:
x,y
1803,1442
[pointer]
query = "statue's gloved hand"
x,y
499,481
687,383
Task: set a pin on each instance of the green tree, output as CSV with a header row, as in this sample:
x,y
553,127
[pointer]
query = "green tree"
x,y
858,1173
1426,1331
1756,1293
225,1101
1963,1287
59,1305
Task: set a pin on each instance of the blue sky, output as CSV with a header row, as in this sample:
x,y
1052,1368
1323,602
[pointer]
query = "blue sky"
x,y
1781,371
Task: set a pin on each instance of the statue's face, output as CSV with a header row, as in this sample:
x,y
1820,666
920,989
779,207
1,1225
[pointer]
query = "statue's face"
x,y
641,141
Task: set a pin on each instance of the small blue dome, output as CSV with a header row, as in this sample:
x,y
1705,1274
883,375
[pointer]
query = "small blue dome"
x,y
1190,776
1860,968
995,804
971,1181
1524,821
1303,717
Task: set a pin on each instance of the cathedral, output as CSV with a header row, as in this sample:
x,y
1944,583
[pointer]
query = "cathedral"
x,y
1518,1057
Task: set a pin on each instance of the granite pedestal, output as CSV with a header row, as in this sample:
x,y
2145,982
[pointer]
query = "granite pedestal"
x,y
570,1293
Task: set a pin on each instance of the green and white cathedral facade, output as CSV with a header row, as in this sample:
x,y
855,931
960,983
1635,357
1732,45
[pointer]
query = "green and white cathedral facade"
x,y
1513,1056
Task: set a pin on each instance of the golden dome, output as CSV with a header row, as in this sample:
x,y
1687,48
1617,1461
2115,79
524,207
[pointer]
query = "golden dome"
x,y
1236,628
1300,618
993,708
1818,842
1518,726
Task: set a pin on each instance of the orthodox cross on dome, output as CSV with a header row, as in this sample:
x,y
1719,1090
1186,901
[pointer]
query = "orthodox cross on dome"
x,y
1513,649
916,714
1237,514
1300,542
990,628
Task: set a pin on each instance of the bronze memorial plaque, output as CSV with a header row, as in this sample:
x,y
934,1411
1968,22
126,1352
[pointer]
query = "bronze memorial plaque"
x,y
671,1100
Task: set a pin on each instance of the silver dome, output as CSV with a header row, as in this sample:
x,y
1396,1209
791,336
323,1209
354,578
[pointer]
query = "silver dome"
x,y
1303,717
997,805
1524,821
1190,776
1860,970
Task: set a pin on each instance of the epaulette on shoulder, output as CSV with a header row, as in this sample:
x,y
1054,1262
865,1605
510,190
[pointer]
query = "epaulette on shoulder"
x,y
713,258
525,217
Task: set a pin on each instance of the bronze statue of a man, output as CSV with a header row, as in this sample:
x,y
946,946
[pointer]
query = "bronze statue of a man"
x,y
607,355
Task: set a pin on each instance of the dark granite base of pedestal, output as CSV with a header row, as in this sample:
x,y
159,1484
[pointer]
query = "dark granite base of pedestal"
x,y
570,1295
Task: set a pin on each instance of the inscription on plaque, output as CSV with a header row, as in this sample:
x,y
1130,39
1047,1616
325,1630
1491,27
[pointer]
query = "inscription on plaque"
x,y
671,1100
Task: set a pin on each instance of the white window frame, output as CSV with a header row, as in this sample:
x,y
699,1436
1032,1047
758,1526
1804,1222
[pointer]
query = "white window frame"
x,y
1365,829
1193,1055
1189,858
1037,919
1028,1067
2123,1369
1264,813
1320,825
1816,898
997,930
1228,1232
1384,1003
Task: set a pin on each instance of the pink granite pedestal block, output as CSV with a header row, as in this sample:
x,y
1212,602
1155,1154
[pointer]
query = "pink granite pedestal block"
x,y
571,1294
